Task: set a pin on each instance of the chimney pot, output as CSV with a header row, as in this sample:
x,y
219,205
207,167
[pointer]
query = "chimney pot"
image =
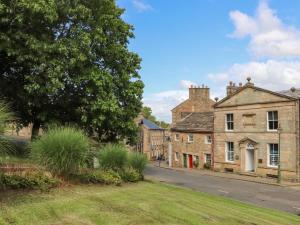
x,y
240,84
191,86
293,89
230,83
248,79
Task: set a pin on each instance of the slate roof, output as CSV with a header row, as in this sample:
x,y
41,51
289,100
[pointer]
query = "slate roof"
x,y
195,122
295,93
150,125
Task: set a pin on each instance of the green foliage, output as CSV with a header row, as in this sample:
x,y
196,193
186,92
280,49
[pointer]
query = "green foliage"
x,y
113,156
147,113
207,165
130,175
32,180
68,61
5,117
62,150
137,161
98,177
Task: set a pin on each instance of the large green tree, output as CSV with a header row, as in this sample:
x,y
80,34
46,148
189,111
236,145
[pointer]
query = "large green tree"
x,y
68,61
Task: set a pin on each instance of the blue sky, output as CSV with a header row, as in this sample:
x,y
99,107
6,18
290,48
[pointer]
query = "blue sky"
x,y
211,42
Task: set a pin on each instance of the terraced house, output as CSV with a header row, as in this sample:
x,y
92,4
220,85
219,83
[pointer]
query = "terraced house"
x,y
192,129
256,129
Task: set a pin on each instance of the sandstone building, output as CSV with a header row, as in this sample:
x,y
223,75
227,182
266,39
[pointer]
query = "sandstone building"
x,y
192,129
251,126
152,141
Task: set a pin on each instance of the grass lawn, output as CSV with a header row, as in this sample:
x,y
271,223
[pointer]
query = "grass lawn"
x,y
142,203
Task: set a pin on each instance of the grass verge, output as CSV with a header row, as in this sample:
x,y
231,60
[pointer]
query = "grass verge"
x,y
141,203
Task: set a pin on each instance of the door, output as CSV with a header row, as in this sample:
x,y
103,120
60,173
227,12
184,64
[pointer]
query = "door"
x,y
184,160
249,158
190,161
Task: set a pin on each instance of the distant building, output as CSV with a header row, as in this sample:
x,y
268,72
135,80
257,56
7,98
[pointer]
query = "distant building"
x,y
152,139
192,130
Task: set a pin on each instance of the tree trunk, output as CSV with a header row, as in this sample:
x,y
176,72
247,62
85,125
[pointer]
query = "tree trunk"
x,y
35,129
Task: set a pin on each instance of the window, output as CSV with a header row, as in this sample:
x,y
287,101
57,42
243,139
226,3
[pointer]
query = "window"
x,y
229,121
208,139
272,120
208,159
190,137
273,155
229,151
176,137
176,156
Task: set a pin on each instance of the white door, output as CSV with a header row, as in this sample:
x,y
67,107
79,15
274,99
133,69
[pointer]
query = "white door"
x,y
249,158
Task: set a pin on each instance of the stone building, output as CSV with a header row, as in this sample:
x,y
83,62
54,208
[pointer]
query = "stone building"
x,y
251,126
152,141
191,130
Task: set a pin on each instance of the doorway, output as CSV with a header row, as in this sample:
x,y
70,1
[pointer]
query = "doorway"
x,y
190,161
249,158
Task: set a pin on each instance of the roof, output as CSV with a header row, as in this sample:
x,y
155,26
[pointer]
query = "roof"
x,y
195,122
280,94
150,125
295,93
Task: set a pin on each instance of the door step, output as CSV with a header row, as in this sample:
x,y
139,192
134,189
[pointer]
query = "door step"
x,y
250,174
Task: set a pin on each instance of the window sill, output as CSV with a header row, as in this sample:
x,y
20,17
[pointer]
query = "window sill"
x,y
272,167
272,131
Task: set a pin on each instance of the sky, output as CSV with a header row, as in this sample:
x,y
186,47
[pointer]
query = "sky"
x,y
212,42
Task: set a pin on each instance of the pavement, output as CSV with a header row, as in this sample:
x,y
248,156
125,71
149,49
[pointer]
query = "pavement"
x,y
284,198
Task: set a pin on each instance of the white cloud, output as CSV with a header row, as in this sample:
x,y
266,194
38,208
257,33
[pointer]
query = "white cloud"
x,y
187,83
141,6
161,103
272,74
269,36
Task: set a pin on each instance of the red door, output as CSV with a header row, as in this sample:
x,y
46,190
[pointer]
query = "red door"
x,y
190,161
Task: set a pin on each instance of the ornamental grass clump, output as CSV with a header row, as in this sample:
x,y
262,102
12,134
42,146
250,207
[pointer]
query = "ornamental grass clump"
x,y
114,157
137,161
62,150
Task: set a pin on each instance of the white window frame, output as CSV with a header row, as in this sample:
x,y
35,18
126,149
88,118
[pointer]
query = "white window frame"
x,y
176,137
231,121
189,138
205,155
206,139
269,155
176,156
268,128
227,151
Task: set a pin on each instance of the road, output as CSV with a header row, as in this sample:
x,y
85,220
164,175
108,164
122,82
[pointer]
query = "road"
x,y
265,195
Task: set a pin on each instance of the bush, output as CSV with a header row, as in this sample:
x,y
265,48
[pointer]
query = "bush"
x,y
5,117
113,156
32,180
62,150
207,165
130,175
137,161
98,177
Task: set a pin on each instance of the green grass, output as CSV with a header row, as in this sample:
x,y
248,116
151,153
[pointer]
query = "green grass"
x,y
141,203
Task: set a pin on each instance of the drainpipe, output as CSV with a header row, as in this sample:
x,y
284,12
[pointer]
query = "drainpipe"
x,y
213,145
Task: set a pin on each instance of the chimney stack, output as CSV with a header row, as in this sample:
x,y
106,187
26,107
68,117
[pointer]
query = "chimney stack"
x,y
198,93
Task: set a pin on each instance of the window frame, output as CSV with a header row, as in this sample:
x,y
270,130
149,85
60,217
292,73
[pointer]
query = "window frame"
x,y
269,155
205,157
189,139
227,151
206,139
176,138
227,122
268,121
176,156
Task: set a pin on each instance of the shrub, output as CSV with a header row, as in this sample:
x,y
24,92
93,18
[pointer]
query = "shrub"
x,y
98,177
130,175
32,180
113,156
207,165
137,161
62,150
5,117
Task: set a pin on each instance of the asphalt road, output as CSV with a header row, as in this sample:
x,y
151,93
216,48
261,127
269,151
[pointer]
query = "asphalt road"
x,y
265,195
